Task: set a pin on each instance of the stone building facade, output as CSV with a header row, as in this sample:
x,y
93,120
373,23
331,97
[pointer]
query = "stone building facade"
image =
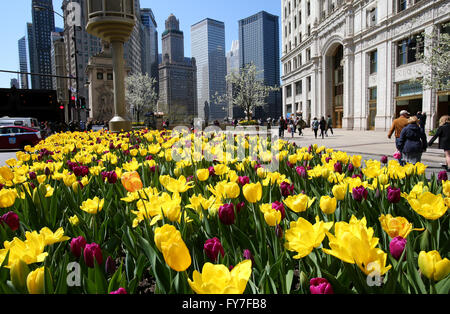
x,y
356,60
101,84
177,77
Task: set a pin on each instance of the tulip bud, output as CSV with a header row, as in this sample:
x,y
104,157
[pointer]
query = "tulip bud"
x,y
359,193
279,231
12,220
226,214
393,195
384,159
338,167
240,206
112,177
212,248
92,251
47,171
32,175
244,180
119,291
397,246
279,207
301,171
19,271
212,172
320,286
76,245
286,189
248,255
110,266
350,168
35,281
442,176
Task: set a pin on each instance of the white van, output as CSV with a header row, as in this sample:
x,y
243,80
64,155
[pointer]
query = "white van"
x,y
27,122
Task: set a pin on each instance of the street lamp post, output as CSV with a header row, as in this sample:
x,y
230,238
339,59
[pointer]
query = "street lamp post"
x,y
113,21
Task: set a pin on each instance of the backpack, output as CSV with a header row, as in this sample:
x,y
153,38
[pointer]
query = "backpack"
x,y
315,125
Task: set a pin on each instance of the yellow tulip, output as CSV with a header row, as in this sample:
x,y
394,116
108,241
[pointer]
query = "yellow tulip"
x,y
446,188
6,173
19,271
35,281
7,197
74,221
218,279
429,205
168,240
271,215
252,192
354,243
302,237
433,266
232,190
179,185
93,206
69,179
299,203
396,226
328,204
339,191
203,174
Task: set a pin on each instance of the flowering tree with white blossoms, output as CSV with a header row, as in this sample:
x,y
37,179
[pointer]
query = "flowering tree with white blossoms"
x,y
141,94
248,90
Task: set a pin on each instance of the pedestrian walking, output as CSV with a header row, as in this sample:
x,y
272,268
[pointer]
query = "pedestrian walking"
x,y
329,125
323,127
412,142
443,133
315,126
292,127
398,125
422,120
281,127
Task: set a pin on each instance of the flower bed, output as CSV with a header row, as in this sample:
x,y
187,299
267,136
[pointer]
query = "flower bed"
x,y
99,212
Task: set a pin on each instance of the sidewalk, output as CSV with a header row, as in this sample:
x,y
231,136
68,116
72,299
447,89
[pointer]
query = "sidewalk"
x,y
369,144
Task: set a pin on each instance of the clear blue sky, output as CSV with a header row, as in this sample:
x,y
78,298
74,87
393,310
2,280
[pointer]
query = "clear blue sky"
x,y
16,13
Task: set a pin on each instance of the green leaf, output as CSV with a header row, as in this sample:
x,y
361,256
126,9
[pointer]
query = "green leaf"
x,y
443,286
114,283
289,279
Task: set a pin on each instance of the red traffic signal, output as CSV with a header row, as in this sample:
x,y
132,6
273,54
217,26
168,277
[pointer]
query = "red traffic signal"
x,y
61,107
73,98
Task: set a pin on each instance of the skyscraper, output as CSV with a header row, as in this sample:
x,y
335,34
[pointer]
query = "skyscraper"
x,y
23,63
233,67
86,46
59,68
259,43
177,77
43,25
149,44
133,47
208,49
32,56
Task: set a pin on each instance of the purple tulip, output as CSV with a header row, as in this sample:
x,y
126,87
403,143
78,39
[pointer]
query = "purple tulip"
x,y
212,248
240,206
244,180
327,160
32,175
119,291
338,167
279,207
110,266
384,159
393,195
359,193
350,168
286,189
11,219
76,245
442,176
397,246
279,231
226,214
92,251
320,286
301,171
112,177
248,255
212,172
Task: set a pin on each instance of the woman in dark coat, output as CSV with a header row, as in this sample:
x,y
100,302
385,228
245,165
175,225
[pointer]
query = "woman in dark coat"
x,y
413,142
323,127
444,138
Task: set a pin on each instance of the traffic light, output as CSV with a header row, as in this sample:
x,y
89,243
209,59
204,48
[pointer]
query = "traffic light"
x,y
71,99
83,102
61,107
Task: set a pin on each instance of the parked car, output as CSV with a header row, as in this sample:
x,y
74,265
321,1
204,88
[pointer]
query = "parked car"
x,y
17,137
26,122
